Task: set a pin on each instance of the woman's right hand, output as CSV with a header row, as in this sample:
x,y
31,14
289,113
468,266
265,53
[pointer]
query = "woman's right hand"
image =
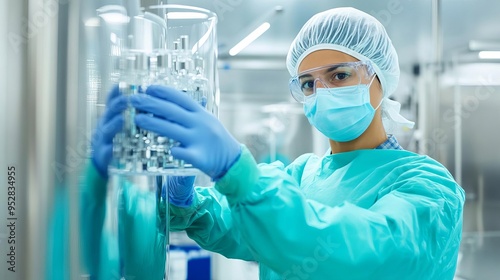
x,y
109,125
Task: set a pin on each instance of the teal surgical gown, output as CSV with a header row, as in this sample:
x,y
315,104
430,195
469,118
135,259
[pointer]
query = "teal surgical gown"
x,y
365,214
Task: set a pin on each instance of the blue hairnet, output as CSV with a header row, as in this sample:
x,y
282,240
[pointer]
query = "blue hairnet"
x,y
360,35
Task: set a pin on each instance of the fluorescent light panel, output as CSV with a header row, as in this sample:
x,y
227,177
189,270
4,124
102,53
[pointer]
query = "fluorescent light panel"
x,y
249,39
489,55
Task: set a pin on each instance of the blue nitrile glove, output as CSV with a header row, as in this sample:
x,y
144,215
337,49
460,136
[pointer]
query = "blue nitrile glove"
x,y
204,142
180,190
110,123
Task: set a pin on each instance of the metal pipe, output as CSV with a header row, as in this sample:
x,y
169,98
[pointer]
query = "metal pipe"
x,y
437,32
480,208
71,65
457,97
41,127
434,98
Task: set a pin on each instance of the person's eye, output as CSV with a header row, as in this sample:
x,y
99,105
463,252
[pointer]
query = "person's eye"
x,y
341,76
307,87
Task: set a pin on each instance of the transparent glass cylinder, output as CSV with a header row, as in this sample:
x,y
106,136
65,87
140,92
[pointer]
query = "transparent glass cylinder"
x,y
169,45
134,48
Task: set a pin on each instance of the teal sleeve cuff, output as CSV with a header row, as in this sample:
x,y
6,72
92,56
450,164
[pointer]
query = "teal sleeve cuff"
x,y
181,218
187,211
241,178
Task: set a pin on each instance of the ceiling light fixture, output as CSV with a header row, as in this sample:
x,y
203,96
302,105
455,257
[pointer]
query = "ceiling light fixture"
x,y
249,39
476,45
489,54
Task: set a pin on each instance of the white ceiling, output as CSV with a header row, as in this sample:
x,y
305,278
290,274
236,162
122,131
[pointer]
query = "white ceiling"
x,y
259,70
408,22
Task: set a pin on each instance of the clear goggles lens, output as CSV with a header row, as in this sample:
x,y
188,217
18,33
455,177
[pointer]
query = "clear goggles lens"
x,y
330,76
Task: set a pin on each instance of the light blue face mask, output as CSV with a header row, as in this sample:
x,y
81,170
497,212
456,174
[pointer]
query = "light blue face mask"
x,y
341,114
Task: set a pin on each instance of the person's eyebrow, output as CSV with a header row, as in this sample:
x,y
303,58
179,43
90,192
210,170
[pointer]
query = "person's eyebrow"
x,y
333,68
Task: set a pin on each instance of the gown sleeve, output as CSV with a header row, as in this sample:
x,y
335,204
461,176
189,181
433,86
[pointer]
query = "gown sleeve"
x,y
210,221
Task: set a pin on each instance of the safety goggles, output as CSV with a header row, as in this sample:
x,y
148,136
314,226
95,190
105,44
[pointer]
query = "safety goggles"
x,y
330,76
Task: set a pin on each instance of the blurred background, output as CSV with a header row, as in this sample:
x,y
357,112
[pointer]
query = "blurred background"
x,y
449,53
